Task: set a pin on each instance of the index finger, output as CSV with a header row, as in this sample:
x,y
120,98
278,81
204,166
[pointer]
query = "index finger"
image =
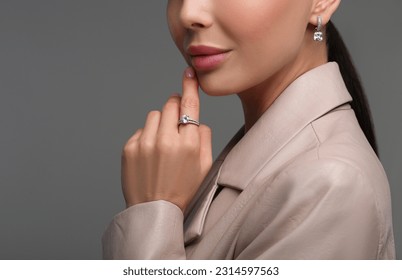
x,y
190,100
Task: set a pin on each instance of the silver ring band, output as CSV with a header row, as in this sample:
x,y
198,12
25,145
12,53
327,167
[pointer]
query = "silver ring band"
x,y
185,119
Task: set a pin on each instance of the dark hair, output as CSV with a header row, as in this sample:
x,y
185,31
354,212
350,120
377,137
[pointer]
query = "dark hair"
x,y
338,52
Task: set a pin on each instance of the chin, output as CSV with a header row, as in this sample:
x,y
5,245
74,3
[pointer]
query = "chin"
x,y
215,91
214,86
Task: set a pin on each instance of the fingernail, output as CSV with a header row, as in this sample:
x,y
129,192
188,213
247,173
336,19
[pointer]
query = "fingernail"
x,y
189,72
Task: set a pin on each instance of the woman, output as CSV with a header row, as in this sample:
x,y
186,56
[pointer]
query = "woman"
x,y
298,181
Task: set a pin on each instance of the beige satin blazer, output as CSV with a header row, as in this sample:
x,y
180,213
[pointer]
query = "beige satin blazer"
x,y
302,183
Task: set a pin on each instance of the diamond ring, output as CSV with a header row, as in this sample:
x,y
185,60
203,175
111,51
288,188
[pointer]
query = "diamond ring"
x,y
185,119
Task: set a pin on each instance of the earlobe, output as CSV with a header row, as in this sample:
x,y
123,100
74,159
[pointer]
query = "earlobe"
x,y
325,9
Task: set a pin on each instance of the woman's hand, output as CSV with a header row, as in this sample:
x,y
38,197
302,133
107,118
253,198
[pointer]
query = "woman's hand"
x,y
164,161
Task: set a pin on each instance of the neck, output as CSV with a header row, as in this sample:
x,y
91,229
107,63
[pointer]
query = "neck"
x,y
257,100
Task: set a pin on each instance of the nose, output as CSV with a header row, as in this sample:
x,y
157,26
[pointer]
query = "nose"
x,y
196,14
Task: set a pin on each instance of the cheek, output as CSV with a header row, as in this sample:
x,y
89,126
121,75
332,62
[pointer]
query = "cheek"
x,y
268,28
266,36
175,28
253,19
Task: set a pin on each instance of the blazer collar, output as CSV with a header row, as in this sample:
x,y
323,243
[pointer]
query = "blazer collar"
x,y
312,95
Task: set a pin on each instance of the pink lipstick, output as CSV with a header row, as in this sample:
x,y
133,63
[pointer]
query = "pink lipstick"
x,y
206,58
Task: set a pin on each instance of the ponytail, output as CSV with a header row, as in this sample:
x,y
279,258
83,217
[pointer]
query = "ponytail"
x,y
338,52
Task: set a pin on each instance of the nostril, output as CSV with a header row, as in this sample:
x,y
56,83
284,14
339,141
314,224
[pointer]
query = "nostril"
x,y
197,25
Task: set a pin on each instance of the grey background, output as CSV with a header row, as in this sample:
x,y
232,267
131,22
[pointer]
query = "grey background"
x,y
76,80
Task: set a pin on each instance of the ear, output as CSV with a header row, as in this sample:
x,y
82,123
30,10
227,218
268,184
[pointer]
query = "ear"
x,y
325,9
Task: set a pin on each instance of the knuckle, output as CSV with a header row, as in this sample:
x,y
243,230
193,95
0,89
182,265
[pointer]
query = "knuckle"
x,y
205,129
190,103
134,138
171,104
146,146
190,146
138,131
164,144
153,114
130,150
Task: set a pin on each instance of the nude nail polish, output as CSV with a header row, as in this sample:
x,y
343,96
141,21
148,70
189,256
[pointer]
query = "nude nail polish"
x,y
189,72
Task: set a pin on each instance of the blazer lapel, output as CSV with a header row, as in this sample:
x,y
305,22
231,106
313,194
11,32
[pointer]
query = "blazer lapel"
x,y
309,97
195,214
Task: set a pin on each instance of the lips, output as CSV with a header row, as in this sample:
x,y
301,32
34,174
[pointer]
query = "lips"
x,y
204,50
206,58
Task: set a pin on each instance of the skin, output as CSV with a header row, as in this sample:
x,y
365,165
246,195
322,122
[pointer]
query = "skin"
x,y
269,45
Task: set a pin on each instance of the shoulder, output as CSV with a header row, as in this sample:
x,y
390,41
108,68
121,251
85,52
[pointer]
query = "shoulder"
x,y
323,178
339,167
333,149
341,180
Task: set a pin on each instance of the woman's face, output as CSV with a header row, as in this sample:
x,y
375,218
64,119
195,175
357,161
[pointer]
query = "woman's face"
x,y
235,45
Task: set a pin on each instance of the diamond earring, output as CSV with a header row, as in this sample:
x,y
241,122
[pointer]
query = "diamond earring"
x,y
318,36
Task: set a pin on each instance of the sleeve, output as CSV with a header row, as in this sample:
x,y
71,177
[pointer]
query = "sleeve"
x,y
152,230
321,210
